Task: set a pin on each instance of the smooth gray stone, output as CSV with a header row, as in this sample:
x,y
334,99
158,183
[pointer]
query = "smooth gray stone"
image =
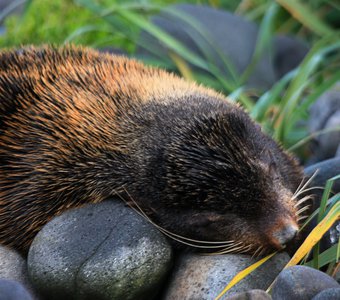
x,y
250,295
13,290
329,294
301,283
217,35
325,170
99,251
325,114
13,267
199,277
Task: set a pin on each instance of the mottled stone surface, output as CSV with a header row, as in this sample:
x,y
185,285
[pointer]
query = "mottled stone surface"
x,y
101,251
199,277
301,283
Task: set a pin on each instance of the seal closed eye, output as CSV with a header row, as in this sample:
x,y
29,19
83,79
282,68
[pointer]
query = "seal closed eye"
x,y
78,126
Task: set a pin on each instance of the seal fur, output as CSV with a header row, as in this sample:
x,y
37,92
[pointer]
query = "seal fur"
x,y
79,126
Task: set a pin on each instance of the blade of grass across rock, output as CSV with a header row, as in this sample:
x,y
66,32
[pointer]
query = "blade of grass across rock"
x,y
12,6
316,234
270,97
302,13
165,38
206,37
239,276
311,136
321,214
292,97
83,30
330,203
182,66
317,92
263,40
326,257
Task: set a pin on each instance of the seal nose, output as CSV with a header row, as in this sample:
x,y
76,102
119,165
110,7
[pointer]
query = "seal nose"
x,y
285,234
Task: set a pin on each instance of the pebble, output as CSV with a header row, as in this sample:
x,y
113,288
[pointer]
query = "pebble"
x,y
13,290
329,294
301,283
199,277
102,251
250,295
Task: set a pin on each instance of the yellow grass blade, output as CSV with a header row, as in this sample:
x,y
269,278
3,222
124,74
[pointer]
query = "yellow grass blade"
x,y
316,235
238,277
182,66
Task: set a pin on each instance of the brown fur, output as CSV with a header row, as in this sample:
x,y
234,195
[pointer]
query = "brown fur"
x,y
77,126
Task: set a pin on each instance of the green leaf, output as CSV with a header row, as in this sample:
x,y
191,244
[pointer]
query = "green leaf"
x,y
302,13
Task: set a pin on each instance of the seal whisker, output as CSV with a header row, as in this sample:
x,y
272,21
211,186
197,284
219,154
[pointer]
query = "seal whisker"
x,y
304,199
175,236
308,189
258,250
237,245
305,185
228,251
90,125
302,210
300,218
262,252
299,186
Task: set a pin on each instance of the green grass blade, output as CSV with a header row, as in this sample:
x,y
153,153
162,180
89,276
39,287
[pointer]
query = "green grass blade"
x,y
326,257
302,13
265,102
264,38
294,92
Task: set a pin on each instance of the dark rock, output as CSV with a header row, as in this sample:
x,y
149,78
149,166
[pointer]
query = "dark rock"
x,y
8,7
13,290
99,251
13,267
324,115
250,295
288,54
329,294
326,170
198,277
218,36
301,283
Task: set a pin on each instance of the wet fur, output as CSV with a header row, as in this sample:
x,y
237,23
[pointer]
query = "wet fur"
x,y
77,126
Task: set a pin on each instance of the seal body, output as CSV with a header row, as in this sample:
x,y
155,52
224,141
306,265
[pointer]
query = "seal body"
x,y
77,126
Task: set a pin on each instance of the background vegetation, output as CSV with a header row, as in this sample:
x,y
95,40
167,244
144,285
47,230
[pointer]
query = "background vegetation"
x,y
100,23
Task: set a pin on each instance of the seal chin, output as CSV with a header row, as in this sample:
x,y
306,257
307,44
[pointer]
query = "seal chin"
x,y
284,235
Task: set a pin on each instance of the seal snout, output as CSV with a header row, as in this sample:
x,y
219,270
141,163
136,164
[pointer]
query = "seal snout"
x,y
285,234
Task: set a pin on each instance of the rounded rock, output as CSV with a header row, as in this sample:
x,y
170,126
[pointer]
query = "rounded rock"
x,y
99,251
329,294
198,277
301,283
250,295
324,170
14,267
13,290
